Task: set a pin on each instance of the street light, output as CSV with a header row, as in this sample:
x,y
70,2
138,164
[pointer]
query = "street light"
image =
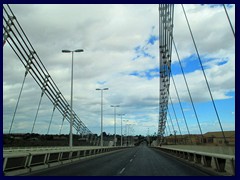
x,y
101,112
126,127
175,132
121,126
71,119
114,123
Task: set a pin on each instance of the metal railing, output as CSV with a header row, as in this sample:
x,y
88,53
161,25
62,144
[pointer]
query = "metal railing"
x,y
19,162
223,164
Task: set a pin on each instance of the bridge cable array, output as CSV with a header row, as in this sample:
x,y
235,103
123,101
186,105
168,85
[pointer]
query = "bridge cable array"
x,y
175,115
166,37
170,117
186,83
204,74
168,128
20,44
183,114
166,12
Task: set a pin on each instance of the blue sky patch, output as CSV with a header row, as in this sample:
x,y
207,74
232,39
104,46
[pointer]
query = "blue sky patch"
x,y
148,74
218,5
191,64
214,61
231,94
152,39
137,48
101,82
142,50
222,62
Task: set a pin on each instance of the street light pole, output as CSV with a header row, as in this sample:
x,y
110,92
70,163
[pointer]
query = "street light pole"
x,y
128,136
102,113
71,118
126,126
175,132
115,123
121,127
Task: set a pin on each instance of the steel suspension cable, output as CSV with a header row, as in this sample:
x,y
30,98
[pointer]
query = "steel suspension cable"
x,y
168,128
27,41
225,141
39,72
42,70
189,93
31,72
159,110
229,20
179,101
51,120
171,120
166,131
61,127
174,112
10,129
37,113
165,29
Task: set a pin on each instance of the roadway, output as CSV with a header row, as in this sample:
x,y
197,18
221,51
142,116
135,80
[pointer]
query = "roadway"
x,y
137,161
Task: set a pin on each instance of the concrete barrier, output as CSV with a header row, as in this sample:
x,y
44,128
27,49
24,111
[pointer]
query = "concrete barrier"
x,y
223,164
17,162
229,150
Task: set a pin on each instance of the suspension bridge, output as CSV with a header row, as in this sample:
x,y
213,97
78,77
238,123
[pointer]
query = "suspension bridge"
x,y
133,156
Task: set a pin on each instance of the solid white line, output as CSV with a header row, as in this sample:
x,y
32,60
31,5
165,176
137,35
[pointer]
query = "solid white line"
x,y
121,171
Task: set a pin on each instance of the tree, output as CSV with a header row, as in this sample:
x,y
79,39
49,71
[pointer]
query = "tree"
x,y
104,134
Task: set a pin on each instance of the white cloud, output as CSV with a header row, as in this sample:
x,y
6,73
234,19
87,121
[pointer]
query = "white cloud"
x,y
108,34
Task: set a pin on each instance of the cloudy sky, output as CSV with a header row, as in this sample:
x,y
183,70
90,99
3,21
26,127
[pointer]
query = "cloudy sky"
x,y
121,53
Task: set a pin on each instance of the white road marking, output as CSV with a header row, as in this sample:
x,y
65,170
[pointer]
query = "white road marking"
x,y
121,171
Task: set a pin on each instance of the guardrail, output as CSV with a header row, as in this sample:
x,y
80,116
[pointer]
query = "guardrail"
x,y
223,164
44,148
16,163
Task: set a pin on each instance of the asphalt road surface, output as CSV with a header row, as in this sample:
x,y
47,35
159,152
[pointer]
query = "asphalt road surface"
x,y
137,161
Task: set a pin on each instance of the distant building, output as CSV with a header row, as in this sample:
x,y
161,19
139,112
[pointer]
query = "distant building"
x,y
34,139
216,138
18,138
210,138
59,138
183,139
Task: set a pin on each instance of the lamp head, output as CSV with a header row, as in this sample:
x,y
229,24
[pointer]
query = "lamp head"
x,y
78,50
66,51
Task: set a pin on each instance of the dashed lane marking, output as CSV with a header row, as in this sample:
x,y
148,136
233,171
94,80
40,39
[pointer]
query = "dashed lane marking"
x,y
122,171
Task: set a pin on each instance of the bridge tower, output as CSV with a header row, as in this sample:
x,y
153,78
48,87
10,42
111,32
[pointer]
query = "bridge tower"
x,y
166,12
